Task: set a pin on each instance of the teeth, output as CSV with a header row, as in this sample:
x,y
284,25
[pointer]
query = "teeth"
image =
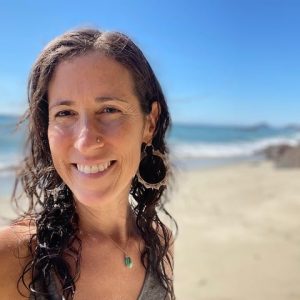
x,y
94,169
101,168
91,169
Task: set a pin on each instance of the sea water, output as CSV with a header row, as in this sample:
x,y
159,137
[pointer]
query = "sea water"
x,y
12,141
191,145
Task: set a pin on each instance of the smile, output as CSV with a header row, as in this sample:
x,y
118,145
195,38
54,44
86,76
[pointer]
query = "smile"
x,y
92,169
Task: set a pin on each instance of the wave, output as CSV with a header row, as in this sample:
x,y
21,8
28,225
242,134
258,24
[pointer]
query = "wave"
x,y
9,163
227,150
7,171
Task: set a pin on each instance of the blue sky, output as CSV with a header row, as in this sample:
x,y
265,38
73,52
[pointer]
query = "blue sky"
x,y
219,61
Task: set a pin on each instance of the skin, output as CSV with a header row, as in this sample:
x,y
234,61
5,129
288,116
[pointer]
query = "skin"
x,y
89,97
93,96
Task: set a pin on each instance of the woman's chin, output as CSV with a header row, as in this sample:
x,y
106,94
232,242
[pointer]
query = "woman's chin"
x,y
92,199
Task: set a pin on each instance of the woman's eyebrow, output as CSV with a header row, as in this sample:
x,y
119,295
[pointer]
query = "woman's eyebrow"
x,y
108,98
61,102
97,99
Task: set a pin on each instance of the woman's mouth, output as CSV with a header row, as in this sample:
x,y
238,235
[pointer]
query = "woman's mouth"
x,y
95,168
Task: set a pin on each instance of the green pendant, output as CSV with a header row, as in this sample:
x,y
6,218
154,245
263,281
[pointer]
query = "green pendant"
x,y
128,262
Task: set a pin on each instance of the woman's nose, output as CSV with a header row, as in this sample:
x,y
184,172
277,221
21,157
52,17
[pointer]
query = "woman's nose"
x,y
87,137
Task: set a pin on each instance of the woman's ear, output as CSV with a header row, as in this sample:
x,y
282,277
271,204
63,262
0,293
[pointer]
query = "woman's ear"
x,y
151,121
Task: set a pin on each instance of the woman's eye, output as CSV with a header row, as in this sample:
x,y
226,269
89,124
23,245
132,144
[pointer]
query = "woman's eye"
x,y
110,110
63,113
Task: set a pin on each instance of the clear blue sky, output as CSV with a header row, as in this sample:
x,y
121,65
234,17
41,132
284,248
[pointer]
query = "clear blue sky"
x,y
219,61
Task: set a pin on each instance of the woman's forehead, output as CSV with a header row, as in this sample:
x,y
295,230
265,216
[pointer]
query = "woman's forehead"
x,y
92,64
92,74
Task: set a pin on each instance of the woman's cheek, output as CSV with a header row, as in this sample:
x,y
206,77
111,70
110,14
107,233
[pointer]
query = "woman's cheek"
x,y
112,128
57,137
121,129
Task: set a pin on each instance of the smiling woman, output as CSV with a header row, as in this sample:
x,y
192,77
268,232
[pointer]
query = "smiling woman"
x,y
117,121
95,177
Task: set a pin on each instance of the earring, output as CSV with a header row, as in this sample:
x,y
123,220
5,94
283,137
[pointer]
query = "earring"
x,y
152,171
98,140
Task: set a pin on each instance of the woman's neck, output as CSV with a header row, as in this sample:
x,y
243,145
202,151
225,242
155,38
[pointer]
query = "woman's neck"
x,y
114,221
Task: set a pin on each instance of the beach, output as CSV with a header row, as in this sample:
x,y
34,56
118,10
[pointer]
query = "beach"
x,y
239,231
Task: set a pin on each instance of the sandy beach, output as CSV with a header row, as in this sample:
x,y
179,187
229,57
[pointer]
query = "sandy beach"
x,y
239,232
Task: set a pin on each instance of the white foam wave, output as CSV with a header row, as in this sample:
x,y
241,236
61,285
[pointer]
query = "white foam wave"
x,y
8,163
227,150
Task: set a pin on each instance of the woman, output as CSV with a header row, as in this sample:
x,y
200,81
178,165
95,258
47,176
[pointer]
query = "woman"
x,y
94,176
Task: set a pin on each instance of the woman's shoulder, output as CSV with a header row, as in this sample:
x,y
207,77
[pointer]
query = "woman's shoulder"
x,y
14,255
16,235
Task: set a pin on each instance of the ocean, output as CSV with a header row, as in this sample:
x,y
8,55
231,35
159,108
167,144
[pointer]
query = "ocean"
x,y
212,141
190,145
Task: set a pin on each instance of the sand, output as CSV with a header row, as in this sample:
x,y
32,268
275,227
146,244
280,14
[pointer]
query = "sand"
x,y
239,233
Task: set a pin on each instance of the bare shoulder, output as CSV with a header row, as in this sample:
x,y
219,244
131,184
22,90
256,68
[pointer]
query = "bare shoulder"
x,y
14,255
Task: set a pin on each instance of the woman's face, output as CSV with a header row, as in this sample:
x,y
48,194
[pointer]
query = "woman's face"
x,y
92,97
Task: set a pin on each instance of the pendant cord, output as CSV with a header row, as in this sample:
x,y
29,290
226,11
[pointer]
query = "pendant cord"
x,y
116,244
127,259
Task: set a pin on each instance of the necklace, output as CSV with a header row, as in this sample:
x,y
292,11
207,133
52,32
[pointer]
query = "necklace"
x,y
127,259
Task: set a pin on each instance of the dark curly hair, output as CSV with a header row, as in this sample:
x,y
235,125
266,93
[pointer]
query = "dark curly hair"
x,y
56,222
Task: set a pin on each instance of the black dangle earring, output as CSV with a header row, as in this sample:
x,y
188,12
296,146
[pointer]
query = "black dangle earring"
x,y
153,171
